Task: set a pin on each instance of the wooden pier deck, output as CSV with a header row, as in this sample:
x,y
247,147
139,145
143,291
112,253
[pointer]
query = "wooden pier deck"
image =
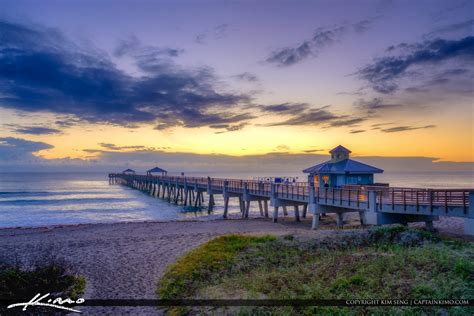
x,y
406,203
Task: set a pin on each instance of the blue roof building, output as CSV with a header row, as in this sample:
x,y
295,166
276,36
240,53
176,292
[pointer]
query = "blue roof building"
x,y
341,170
163,172
128,171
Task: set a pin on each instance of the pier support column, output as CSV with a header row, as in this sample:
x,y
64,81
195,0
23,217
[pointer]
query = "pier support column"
x,y
469,221
340,220
371,214
247,209
285,211
241,205
429,226
297,213
275,214
211,203
265,207
305,210
226,206
363,221
260,207
315,209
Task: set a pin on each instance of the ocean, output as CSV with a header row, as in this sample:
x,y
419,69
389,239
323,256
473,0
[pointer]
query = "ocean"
x,y
47,199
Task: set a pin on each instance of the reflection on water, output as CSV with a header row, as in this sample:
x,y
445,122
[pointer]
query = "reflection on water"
x,y
43,199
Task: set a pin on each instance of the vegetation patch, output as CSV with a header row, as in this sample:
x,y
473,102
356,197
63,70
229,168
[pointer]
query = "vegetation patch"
x,y
391,262
20,282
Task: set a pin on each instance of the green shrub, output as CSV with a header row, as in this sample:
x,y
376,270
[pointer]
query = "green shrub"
x,y
388,262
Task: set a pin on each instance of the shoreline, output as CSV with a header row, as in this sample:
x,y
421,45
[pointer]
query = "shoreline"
x,y
449,226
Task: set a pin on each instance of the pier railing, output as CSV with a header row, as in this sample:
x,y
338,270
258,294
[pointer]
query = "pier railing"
x,y
352,196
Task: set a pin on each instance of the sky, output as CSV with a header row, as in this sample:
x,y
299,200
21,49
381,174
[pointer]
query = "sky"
x,y
191,84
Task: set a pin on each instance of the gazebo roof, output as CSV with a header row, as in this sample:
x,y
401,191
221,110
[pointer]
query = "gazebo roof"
x,y
340,149
128,170
156,169
343,166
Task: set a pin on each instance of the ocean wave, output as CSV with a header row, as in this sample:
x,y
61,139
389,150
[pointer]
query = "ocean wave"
x,y
62,201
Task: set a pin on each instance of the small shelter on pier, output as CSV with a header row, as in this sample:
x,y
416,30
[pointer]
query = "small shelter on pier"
x,y
157,170
128,171
341,170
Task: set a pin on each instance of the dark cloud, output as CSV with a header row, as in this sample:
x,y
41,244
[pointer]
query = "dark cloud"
x,y
150,59
20,150
456,81
313,117
347,122
247,76
115,147
313,150
405,128
357,131
384,73
290,55
228,127
37,130
379,125
41,70
374,105
285,108
322,38
304,114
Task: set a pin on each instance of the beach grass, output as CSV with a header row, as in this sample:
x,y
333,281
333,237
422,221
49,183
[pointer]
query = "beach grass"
x,y
391,262
19,282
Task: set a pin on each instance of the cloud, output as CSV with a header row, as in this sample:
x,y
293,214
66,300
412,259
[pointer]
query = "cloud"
x,y
347,122
20,150
384,73
452,28
322,37
456,82
313,117
217,32
17,155
285,108
290,55
374,105
405,128
37,130
303,114
282,147
246,76
364,25
41,70
147,58
228,127
115,147
357,131
379,125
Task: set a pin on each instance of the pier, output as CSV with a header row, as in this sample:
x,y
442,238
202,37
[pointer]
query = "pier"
x,y
375,205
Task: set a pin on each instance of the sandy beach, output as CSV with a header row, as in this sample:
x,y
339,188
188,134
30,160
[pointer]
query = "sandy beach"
x,y
126,260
